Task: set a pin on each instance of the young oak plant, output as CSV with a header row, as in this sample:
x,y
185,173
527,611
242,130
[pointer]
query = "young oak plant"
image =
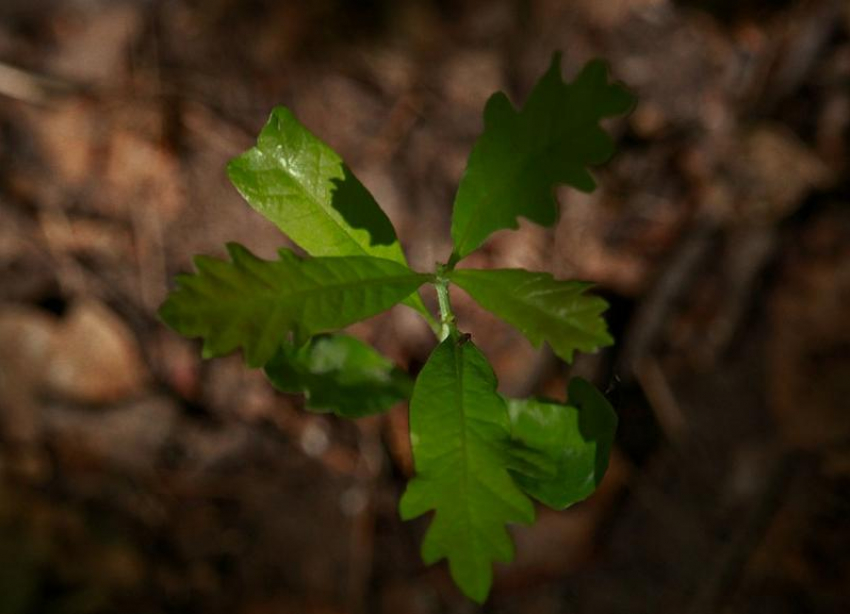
x,y
480,458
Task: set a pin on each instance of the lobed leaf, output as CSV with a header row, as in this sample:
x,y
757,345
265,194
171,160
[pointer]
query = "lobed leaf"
x,y
522,155
541,307
339,374
569,444
459,430
302,185
258,304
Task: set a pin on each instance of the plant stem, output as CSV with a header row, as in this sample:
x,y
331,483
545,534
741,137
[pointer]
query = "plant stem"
x,y
453,260
447,316
435,326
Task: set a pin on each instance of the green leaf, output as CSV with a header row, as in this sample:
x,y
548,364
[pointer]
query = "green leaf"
x,y
258,304
303,186
541,307
575,440
459,432
522,155
339,374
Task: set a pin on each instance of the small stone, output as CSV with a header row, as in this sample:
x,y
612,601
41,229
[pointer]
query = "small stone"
x,y
94,357
25,341
314,440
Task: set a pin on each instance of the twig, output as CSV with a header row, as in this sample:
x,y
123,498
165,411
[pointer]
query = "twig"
x,y
660,395
652,315
722,578
362,544
19,84
750,253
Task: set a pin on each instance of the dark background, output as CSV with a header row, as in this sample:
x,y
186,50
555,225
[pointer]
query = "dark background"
x,y
135,478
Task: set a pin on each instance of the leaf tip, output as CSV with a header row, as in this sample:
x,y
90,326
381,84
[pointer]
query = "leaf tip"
x,y
497,109
233,169
555,62
412,505
476,586
618,100
165,313
281,113
207,351
237,251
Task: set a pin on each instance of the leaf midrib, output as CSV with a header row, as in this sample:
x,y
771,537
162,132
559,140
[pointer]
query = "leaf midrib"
x,y
460,405
344,230
342,286
541,312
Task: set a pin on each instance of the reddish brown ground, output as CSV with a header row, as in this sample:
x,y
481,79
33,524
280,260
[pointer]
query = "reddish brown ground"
x,y
134,478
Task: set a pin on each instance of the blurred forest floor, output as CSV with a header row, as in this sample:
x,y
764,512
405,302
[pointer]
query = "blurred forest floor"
x,y
135,478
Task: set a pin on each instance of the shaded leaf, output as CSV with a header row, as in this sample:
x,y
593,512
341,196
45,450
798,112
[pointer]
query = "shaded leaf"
x,y
258,304
575,440
459,432
522,155
339,374
541,307
303,186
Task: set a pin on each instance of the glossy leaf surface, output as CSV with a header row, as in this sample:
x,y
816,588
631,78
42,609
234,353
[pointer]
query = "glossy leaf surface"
x,y
541,307
302,185
562,450
522,155
339,374
257,305
460,437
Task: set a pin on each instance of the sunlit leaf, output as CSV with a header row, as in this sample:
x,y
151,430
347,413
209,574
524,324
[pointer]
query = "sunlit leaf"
x,y
459,431
258,304
303,186
541,307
